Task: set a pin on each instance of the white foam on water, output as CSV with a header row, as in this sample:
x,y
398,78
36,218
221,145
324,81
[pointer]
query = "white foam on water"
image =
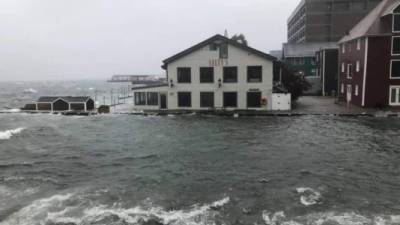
x,y
56,209
30,91
4,135
10,110
309,196
195,216
37,210
345,218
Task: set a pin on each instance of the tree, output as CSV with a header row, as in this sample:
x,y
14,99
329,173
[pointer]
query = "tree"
x,y
240,38
295,83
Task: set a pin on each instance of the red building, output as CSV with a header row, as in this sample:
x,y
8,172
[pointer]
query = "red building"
x,y
369,59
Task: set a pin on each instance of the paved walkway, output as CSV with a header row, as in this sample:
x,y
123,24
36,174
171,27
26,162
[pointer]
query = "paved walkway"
x,y
328,105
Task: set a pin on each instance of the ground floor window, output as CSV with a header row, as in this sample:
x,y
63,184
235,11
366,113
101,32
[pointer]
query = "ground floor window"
x,y
394,95
395,69
230,99
184,99
342,88
140,98
253,99
207,99
152,98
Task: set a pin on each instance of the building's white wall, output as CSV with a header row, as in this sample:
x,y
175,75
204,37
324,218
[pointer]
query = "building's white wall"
x,y
237,57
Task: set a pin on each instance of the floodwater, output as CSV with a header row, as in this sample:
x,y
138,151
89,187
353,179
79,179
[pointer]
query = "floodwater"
x,y
191,169
124,169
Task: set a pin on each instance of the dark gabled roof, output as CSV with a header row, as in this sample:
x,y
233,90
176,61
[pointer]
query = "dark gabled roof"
x,y
211,40
371,25
48,99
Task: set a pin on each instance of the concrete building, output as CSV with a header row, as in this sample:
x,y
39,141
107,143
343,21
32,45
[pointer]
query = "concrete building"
x,y
301,58
218,73
326,20
369,59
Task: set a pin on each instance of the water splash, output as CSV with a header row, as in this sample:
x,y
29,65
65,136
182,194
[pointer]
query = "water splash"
x,y
76,209
4,135
309,196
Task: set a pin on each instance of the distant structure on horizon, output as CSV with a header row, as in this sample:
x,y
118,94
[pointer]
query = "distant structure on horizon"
x,y
326,20
137,79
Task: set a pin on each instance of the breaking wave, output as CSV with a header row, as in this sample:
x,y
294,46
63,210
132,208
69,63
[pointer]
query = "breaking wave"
x,y
4,135
64,209
309,196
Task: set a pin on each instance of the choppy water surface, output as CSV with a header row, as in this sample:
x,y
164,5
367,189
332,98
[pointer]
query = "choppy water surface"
x,y
121,169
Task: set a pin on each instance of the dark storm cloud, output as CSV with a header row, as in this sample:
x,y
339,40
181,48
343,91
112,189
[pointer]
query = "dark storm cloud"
x,y
89,39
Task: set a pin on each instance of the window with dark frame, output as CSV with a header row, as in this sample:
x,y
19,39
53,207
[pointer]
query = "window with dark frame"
x,y
253,99
140,98
254,74
230,74
396,45
349,71
223,50
395,67
207,99
206,74
152,98
213,47
184,99
396,23
230,99
184,75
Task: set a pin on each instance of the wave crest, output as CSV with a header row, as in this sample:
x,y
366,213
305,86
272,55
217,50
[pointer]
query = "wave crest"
x,y
58,210
4,135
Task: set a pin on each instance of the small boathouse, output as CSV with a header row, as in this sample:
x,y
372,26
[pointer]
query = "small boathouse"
x,y
65,103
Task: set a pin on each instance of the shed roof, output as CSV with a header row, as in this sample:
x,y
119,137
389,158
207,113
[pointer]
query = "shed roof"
x,y
306,49
47,99
211,40
371,25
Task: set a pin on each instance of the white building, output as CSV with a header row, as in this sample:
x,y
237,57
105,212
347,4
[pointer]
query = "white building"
x,y
217,73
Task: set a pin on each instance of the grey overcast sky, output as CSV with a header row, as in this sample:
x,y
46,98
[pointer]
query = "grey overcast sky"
x,y
94,39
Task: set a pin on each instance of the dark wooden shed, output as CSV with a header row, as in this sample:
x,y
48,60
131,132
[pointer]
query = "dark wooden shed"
x,y
65,103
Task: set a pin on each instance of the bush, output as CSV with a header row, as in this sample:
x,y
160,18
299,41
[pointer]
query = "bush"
x,y
295,83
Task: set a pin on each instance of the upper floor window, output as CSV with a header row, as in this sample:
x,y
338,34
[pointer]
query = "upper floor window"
x,y
395,69
349,71
396,23
223,50
358,66
358,44
254,74
396,45
213,47
230,74
184,75
313,61
206,74
343,68
344,48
